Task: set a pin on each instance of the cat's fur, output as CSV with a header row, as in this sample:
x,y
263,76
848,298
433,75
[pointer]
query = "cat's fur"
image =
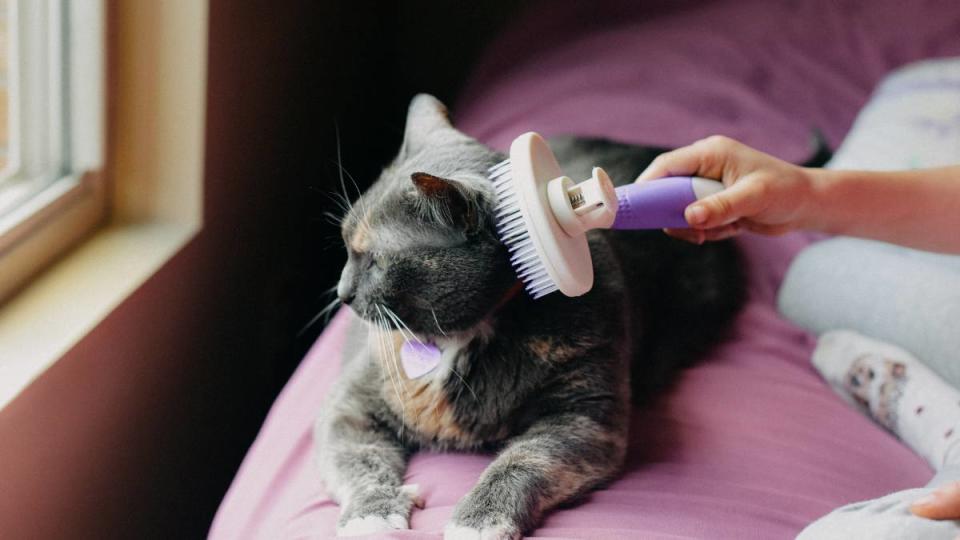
x,y
544,383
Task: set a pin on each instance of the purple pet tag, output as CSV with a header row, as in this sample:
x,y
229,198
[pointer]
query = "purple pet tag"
x,y
418,359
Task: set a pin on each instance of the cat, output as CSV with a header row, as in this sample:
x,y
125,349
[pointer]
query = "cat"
x,y
546,384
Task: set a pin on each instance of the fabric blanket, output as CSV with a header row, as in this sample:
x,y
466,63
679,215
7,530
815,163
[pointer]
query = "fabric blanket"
x,y
751,443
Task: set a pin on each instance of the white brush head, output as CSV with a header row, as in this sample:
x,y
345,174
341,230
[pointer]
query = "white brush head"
x,y
544,256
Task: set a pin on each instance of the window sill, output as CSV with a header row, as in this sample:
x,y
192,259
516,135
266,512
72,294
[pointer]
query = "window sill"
x,y
96,278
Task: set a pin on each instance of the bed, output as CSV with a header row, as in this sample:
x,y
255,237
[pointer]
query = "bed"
x,y
749,444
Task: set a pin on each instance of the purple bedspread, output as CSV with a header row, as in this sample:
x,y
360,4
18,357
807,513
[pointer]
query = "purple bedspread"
x,y
750,444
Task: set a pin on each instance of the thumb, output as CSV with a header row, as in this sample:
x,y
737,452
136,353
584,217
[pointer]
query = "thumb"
x,y
944,503
742,199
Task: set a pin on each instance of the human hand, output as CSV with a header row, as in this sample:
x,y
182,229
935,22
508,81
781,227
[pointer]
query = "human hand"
x,y
763,194
944,503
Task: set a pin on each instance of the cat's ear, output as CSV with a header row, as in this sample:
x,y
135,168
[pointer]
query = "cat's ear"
x,y
434,187
447,195
425,115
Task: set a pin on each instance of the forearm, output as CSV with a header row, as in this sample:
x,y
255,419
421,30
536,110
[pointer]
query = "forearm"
x,y
918,209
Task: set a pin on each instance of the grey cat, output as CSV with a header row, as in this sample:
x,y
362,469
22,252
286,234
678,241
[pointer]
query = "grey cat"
x,y
546,384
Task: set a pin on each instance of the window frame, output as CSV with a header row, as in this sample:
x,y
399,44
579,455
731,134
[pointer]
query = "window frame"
x,y
56,139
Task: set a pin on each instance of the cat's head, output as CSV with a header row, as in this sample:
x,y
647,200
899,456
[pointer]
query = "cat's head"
x,y
421,241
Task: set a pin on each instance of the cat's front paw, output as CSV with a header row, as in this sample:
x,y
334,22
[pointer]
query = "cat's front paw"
x,y
484,514
377,510
359,526
491,531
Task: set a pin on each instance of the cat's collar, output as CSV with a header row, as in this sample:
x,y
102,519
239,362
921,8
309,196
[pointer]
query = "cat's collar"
x,y
418,358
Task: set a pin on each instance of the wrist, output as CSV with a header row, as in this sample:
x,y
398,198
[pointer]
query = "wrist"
x,y
824,210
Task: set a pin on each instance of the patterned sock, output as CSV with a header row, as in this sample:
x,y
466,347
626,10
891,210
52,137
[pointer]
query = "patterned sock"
x,y
896,390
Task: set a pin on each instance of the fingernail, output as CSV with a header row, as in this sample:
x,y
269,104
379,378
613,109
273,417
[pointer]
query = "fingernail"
x,y
696,214
925,500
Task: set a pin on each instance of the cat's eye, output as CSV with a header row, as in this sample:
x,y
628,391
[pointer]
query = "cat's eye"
x,y
374,260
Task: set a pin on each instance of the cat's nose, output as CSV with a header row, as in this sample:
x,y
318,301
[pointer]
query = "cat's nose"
x,y
347,286
346,292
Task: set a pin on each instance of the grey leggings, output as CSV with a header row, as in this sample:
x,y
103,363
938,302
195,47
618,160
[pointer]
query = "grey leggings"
x,y
902,296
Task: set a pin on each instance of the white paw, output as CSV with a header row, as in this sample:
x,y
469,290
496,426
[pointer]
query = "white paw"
x,y
496,532
372,524
413,491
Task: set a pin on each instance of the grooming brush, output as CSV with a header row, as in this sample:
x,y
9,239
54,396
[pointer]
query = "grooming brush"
x,y
543,216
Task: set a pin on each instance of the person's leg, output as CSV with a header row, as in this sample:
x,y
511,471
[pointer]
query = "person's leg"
x,y
900,296
901,394
897,390
907,298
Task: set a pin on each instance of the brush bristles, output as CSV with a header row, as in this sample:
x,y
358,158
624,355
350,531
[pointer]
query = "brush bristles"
x,y
513,231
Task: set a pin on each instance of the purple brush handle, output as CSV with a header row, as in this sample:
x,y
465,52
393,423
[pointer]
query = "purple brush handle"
x,y
657,204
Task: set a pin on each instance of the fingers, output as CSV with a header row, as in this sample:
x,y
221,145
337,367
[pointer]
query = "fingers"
x,y
694,236
712,157
944,503
706,157
699,236
747,203
742,199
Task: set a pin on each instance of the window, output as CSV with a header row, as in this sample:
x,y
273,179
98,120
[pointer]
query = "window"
x,y
153,158
51,131
4,76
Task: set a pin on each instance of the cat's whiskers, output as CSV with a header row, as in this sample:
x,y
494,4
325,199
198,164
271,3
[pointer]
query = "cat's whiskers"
x,y
364,210
326,311
394,354
377,329
465,383
400,322
343,184
353,181
402,326
437,322
335,219
383,337
388,344
343,204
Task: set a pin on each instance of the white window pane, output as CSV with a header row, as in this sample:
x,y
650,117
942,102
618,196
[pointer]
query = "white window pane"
x,y
10,192
4,78
34,117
